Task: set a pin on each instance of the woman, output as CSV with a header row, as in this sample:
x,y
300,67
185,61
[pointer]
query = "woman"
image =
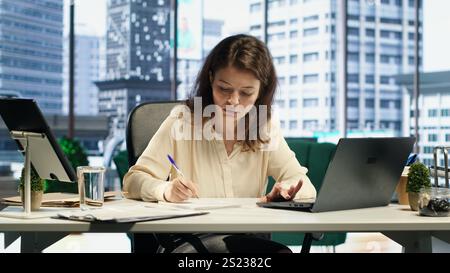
x,y
246,146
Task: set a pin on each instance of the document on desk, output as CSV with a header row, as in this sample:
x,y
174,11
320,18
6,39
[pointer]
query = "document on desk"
x,y
200,204
58,199
127,214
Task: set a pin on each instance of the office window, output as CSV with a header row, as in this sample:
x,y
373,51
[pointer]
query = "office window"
x,y
370,32
428,149
330,77
432,113
293,59
353,78
293,34
370,103
447,138
353,57
353,103
370,58
276,3
293,103
310,31
255,7
353,17
310,57
390,104
432,137
353,31
293,124
310,102
277,24
293,80
311,78
445,113
370,79
279,103
390,21
282,124
385,79
384,59
310,124
310,18
279,60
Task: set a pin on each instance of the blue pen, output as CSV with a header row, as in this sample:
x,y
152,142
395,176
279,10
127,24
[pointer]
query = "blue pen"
x,y
178,171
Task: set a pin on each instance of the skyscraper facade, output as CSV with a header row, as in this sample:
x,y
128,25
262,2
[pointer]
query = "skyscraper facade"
x,y
88,49
137,57
188,69
305,39
31,49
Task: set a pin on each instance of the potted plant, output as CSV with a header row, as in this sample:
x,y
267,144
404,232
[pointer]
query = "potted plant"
x,y
418,178
37,188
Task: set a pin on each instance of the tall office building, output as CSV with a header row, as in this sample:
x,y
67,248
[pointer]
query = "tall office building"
x,y
88,50
31,48
305,39
137,57
434,113
188,69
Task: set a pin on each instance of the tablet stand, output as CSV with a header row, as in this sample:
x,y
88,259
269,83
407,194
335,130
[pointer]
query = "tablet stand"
x,y
25,136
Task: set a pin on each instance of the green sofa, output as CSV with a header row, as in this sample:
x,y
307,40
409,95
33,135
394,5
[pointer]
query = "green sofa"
x,y
315,157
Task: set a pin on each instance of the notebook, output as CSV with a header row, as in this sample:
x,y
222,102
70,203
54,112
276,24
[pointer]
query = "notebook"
x,y
58,199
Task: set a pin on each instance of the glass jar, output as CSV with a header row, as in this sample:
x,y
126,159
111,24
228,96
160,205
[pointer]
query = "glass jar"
x,y
434,202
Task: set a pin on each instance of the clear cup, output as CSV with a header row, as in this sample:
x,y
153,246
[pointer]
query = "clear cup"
x,y
91,186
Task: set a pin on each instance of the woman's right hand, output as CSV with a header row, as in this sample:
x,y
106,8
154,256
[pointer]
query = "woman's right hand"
x,y
179,190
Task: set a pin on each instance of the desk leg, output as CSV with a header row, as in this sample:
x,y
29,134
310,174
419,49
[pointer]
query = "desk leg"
x,y
33,242
421,241
9,238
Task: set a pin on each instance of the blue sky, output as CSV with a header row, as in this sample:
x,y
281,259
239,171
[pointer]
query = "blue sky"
x,y
92,14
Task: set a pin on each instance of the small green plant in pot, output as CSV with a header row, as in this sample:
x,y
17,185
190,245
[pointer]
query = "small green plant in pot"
x,y
418,178
37,188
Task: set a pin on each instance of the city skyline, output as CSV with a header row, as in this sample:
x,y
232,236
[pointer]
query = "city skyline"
x,y
436,55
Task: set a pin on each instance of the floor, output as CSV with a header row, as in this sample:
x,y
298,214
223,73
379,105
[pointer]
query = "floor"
x,y
119,243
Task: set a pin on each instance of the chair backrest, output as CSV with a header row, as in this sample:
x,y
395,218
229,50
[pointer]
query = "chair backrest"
x,y
143,122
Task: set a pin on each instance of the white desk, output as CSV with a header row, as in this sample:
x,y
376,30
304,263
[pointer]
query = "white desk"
x,y
414,232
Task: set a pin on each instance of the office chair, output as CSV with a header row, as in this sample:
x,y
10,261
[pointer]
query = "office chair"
x,y
143,122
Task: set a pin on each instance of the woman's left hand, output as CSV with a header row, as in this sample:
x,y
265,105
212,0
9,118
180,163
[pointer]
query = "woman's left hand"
x,y
278,193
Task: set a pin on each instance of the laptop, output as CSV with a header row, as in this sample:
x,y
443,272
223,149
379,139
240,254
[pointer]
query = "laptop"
x,y
363,173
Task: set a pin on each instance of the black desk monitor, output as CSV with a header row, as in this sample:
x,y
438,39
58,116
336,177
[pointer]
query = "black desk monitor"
x,y
47,157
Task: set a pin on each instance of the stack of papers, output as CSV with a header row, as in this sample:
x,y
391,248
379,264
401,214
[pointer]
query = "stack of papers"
x,y
127,214
57,199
